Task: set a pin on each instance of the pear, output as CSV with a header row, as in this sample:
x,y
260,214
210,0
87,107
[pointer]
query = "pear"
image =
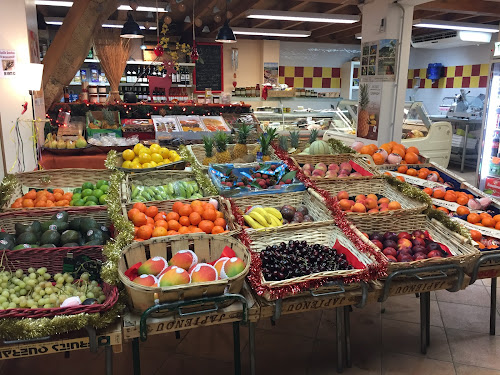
x,y
61,144
81,142
70,144
53,144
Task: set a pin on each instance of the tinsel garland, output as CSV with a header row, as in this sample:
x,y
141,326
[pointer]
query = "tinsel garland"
x,y
409,190
338,147
7,187
201,177
448,223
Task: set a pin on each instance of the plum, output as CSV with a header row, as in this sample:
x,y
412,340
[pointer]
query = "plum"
x,y
404,235
390,236
435,254
303,210
419,256
390,251
390,243
376,236
298,217
288,212
418,242
378,244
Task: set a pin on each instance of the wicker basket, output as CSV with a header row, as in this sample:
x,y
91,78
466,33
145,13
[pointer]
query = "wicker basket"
x,y
52,259
373,186
208,248
315,206
161,177
198,151
52,179
300,160
224,206
325,235
464,254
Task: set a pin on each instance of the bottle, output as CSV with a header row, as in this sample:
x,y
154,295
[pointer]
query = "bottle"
x,y
66,94
496,142
183,76
257,90
139,74
129,75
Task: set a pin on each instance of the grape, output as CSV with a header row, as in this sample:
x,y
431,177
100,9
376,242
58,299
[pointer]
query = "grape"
x,y
5,305
42,292
16,300
49,290
36,297
23,304
37,289
2,299
32,276
5,294
46,276
12,305
85,276
23,292
31,282
101,298
19,273
17,288
30,303
41,270
94,283
53,298
21,284
69,279
31,270
90,295
47,306
57,275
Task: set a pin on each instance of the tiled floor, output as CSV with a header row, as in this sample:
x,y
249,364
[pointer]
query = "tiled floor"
x,y
381,343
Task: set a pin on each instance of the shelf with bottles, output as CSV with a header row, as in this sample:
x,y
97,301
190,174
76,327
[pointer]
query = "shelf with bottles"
x,y
139,62
138,74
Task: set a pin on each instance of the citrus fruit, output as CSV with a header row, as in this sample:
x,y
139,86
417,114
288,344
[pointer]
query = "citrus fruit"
x,y
184,221
128,155
97,193
104,188
153,164
140,206
165,153
155,147
100,183
206,226
159,232
77,196
89,203
144,232
172,216
86,185
91,198
136,159
147,165
157,158
139,219
135,165
79,202
126,164
177,206
144,158
138,147
151,211
145,150
85,193
102,199
195,218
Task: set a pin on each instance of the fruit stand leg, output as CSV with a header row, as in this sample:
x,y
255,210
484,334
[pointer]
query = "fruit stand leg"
x,y
236,345
340,338
136,358
109,359
428,317
423,325
493,306
347,336
251,346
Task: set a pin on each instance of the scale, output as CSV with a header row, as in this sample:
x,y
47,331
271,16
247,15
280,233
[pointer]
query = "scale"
x,y
459,107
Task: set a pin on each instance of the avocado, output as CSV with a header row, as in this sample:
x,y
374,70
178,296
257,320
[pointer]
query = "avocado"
x,y
93,243
27,237
22,246
75,224
48,245
21,228
70,236
81,241
7,236
60,216
36,226
60,226
50,236
70,244
95,235
87,223
46,224
6,244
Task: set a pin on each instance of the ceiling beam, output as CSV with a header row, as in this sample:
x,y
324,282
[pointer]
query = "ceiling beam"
x,y
204,10
477,7
334,29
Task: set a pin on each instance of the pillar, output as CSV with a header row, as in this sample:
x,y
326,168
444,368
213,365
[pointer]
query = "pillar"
x,y
385,20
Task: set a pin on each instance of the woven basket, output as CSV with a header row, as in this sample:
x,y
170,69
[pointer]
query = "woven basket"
x,y
325,235
198,151
52,259
224,206
208,248
160,177
464,254
52,179
316,207
373,186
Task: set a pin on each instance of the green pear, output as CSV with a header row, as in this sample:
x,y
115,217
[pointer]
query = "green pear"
x,y
61,144
81,142
70,144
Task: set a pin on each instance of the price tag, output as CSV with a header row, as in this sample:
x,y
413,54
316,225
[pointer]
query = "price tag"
x,y
483,230
417,181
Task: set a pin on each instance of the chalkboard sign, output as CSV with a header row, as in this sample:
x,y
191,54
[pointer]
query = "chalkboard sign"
x,y
209,74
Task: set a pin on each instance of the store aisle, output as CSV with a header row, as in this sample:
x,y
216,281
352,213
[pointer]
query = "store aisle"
x,y
304,344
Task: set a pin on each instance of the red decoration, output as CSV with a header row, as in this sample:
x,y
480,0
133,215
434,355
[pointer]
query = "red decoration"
x,y
158,50
194,54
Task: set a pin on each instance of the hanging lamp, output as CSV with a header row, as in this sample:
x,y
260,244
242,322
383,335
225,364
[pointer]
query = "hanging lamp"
x,y
225,34
131,29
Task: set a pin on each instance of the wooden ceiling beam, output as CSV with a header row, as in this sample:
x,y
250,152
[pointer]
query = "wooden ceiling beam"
x,y
477,7
204,10
335,29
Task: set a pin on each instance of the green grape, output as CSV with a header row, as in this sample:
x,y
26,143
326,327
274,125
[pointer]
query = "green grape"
x,y
53,298
42,292
36,297
41,270
5,294
17,288
16,300
57,275
31,270
32,276
19,273
4,285
31,282
94,283
102,298
12,305
69,279
37,289
42,301
46,276
30,303
22,284
5,305
23,304
90,295
49,290
85,276
23,292
2,299
47,306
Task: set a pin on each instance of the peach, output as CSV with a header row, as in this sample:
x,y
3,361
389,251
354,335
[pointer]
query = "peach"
x,y
334,167
346,166
307,167
318,173
370,203
358,207
307,172
342,195
383,200
345,204
372,196
384,209
321,166
359,197
394,205
373,210
331,174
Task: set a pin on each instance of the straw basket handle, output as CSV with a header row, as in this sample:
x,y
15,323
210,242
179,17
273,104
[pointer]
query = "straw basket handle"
x,y
369,159
295,162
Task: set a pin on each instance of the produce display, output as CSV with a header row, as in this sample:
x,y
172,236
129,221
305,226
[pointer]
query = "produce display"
x,y
196,217
407,247
299,258
389,153
173,190
422,173
52,142
333,170
371,203
108,120
90,194
190,124
148,157
214,123
59,231
258,217
108,140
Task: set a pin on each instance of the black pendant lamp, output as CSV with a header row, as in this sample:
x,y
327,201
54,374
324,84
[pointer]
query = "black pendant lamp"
x,y
131,28
225,34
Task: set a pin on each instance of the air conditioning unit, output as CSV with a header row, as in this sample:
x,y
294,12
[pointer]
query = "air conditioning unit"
x,y
450,39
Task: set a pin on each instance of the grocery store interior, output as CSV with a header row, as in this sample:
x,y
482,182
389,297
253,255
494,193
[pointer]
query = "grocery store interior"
x,y
250,187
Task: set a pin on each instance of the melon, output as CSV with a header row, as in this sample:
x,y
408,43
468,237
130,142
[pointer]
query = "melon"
x,y
319,148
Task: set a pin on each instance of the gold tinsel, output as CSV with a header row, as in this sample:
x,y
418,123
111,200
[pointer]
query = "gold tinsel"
x,y
7,187
111,159
339,147
448,223
409,190
201,177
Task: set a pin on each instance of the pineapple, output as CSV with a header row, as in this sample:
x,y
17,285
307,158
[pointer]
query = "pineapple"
x,y
265,142
283,142
222,155
208,144
294,140
363,116
313,135
240,149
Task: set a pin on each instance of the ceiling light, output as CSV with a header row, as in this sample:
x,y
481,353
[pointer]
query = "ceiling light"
x,y
54,3
131,29
187,19
206,29
474,36
301,16
58,21
225,34
450,25
271,32
143,9
69,4
358,36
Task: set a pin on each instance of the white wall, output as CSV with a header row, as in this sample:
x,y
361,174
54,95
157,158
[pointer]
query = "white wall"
x,y
420,58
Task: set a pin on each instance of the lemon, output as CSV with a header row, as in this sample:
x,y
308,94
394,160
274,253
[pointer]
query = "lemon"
x,y
146,165
136,159
165,153
167,161
135,165
176,158
155,147
138,148
156,157
145,150
128,155
126,164
153,164
161,163
144,158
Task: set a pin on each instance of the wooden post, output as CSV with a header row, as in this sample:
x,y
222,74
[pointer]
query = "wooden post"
x,y
72,44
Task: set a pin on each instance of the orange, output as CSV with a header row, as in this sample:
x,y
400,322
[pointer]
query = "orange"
x,y
387,174
206,226
173,225
378,159
496,217
462,210
412,172
220,222
194,218
488,222
373,146
41,198
484,215
438,193
444,209
61,191
172,233
219,214
476,235
172,216
39,204
422,174
139,219
198,208
65,202
196,202
184,221
463,200
177,206
144,232
161,223
58,196
428,191
371,196
400,178
197,230
366,150
136,229
150,220
160,216
140,206
40,193
387,147
159,232
473,218
209,215
413,149
217,229
185,210
183,230
402,169
394,205
68,196
132,212
30,195
497,225
50,197
151,211
28,203
450,196
192,228
50,204
17,204
411,158
400,150
208,206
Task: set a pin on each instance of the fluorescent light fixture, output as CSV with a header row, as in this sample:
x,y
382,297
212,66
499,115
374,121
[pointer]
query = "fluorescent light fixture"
x,y
450,25
143,9
54,3
58,21
474,36
69,4
358,36
301,16
111,26
271,32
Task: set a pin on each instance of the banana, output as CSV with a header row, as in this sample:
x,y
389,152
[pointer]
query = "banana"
x,y
263,213
276,221
252,222
258,218
273,211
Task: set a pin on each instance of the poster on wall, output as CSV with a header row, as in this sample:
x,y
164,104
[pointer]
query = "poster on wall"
x,y
370,96
378,60
271,73
34,47
8,66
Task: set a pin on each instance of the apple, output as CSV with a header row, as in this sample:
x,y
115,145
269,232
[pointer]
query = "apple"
x,y
378,244
404,242
404,235
321,166
331,174
307,172
390,243
318,173
418,242
434,254
307,167
390,251
334,167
